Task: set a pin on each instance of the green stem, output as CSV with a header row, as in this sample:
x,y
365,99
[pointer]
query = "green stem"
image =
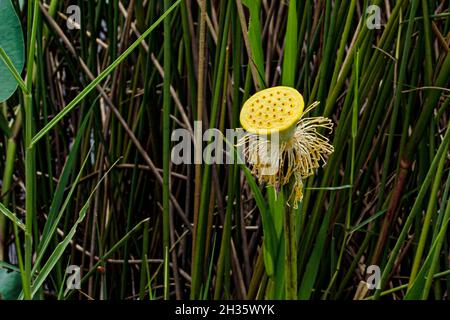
x,y
166,151
427,222
5,191
30,169
290,243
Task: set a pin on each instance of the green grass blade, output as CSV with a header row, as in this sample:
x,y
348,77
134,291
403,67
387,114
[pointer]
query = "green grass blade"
x,y
11,216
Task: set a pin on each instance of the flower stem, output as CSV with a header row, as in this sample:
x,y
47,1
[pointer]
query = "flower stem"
x,y
290,242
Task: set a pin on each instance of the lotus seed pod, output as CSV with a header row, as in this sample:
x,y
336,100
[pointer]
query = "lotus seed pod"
x,y
273,110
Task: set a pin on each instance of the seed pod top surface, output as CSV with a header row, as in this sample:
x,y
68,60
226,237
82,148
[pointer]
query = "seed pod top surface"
x,y
272,110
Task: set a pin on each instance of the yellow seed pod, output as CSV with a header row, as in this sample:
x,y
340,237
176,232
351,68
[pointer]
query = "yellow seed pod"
x,y
272,110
